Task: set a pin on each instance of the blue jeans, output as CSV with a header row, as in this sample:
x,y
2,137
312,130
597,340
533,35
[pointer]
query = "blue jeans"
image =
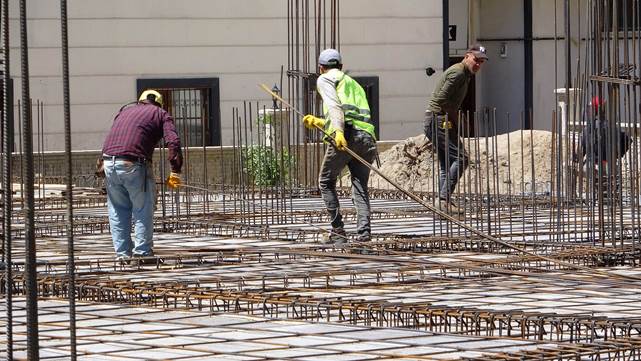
x,y
130,196
333,163
452,157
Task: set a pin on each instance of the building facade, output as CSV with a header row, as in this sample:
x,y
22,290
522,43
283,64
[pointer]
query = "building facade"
x,y
230,46
117,46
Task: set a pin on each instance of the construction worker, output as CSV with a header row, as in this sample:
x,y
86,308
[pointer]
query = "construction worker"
x,y
441,123
127,154
602,145
347,122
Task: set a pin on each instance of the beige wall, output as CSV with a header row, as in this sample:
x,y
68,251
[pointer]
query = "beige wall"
x,y
501,83
242,42
545,53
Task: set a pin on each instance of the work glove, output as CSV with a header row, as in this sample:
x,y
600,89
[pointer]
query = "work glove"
x,y
339,140
312,122
173,181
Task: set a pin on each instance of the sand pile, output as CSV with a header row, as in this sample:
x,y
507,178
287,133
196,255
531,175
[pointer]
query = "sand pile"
x,y
412,164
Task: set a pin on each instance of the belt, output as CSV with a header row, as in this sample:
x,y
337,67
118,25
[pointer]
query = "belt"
x,y
129,158
444,124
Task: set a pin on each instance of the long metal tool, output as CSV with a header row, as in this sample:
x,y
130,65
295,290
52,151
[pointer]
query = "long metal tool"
x,y
443,214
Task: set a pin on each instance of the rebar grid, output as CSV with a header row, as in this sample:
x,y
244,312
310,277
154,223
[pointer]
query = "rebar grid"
x,y
522,226
455,320
107,331
414,291
626,349
576,214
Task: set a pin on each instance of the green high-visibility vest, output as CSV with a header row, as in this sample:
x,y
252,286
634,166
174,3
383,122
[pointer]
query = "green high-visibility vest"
x,y
354,104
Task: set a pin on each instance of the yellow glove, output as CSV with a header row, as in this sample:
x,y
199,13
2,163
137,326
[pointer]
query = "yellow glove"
x,y
312,122
173,181
339,139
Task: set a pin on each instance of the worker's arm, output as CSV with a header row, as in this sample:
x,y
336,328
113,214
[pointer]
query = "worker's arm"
x,y
172,141
327,91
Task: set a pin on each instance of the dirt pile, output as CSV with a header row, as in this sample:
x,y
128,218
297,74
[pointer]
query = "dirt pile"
x,y
506,160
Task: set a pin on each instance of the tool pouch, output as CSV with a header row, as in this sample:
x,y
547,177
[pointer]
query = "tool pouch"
x,y
446,124
100,168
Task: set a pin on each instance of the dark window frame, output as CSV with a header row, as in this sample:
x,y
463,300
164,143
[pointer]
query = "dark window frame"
x,y
607,20
213,84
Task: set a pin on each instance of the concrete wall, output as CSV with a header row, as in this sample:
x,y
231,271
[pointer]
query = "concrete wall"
x,y
459,16
223,164
547,50
500,83
242,42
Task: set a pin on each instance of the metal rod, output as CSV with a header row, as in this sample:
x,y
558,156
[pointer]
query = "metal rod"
x,y
7,141
69,195
30,240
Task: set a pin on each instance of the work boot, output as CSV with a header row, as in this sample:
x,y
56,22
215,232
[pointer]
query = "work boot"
x,y
337,237
455,209
449,207
123,260
148,259
362,244
363,238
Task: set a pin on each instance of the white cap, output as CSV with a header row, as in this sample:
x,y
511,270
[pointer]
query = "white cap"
x,y
329,57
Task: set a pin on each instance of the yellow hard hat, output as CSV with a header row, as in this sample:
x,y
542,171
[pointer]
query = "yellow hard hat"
x,y
152,95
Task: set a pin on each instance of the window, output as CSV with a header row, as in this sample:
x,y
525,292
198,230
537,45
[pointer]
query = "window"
x,y
628,14
194,104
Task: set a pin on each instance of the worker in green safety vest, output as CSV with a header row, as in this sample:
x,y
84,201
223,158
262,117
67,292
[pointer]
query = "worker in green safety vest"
x,y
347,122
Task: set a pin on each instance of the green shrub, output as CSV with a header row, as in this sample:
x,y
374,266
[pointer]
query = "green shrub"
x,y
267,167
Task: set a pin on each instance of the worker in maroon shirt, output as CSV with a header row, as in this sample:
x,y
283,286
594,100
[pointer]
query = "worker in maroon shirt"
x,y
127,154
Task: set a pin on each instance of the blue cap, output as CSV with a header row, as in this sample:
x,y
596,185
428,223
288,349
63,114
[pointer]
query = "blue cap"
x,y
329,57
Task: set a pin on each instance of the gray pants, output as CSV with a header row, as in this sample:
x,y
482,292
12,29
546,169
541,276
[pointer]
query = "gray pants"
x,y
364,145
452,157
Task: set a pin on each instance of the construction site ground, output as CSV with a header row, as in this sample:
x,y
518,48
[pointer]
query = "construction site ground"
x,y
224,285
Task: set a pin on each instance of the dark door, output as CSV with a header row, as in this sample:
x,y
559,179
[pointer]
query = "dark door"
x,y
370,85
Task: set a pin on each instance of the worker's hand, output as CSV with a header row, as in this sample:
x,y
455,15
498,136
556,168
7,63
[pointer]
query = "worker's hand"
x,y
312,122
339,139
173,181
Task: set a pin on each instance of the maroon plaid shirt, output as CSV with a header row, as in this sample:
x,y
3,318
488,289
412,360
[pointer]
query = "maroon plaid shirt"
x,y
136,131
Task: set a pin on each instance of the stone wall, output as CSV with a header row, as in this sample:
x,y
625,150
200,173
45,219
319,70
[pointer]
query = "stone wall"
x,y
223,164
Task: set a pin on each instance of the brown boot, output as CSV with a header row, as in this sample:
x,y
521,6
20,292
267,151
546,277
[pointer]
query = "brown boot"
x,y
442,205
454,209
337,237
449,207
